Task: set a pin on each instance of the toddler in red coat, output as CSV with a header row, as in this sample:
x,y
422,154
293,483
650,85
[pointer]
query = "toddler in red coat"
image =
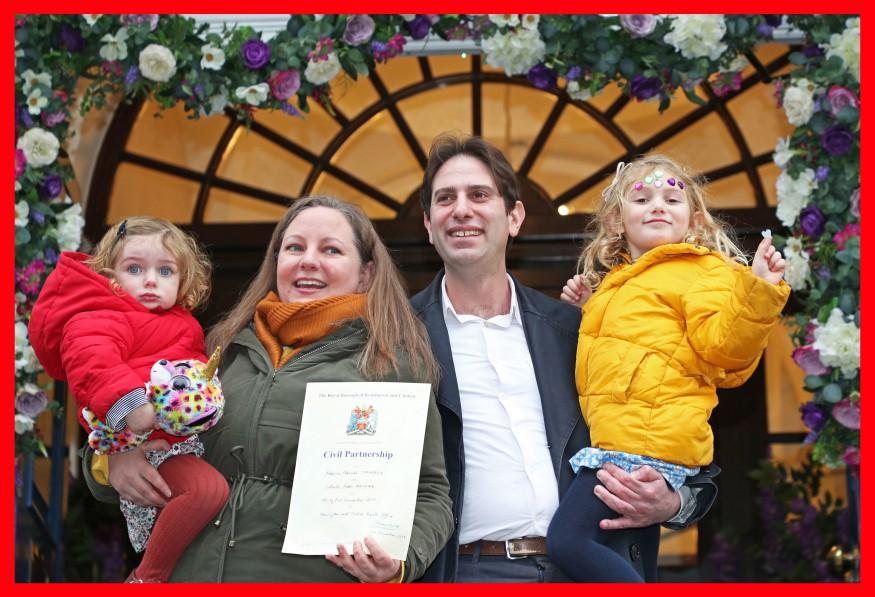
x,y
102,323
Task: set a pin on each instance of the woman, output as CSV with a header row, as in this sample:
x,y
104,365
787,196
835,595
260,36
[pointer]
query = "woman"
x,y
326,305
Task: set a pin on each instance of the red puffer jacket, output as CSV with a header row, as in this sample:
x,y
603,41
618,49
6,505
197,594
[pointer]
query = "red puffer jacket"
x,y
104,343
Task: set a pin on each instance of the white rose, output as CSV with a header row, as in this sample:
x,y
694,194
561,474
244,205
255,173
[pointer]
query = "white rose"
x,y
157,63
22,210
783,154
253,95
212,57
796,269
847,47
515,51
40,147
324,70
575,92
838,342
505,20
697,36
23,424
115,47
798,105
793,194
69,231
31,79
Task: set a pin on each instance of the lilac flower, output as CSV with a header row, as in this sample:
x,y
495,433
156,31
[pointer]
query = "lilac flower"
x,y
813,417
644,88
821,173
823,273
132,75
129,20
812,221
31,401
638,25
255,53
419,26
542,77
765,30
847,413
22,116
51,256
71,38
51,186
290,109
38,217
51,119
359,30
574,73
839,97
284,84
836,140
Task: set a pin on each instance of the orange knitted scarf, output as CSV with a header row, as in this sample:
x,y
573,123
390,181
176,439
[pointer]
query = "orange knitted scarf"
x,y
286,328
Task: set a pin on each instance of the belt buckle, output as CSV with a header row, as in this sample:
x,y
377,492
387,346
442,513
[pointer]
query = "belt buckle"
x,y
507,551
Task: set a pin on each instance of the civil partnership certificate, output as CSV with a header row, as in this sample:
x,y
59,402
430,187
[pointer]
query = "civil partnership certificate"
x,y
357,470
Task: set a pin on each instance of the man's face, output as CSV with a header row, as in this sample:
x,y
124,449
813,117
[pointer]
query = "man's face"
x,y
467,223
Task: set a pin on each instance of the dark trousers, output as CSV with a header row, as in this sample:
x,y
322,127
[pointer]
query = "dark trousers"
x,y
475,568
579,547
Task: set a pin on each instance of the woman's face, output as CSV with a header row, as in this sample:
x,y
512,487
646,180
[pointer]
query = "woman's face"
x,y
318,258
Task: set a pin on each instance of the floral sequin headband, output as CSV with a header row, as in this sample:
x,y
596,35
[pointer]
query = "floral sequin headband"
x,y
655,179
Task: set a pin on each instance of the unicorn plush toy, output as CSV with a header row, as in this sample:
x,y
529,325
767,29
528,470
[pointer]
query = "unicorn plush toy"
x,y
187,397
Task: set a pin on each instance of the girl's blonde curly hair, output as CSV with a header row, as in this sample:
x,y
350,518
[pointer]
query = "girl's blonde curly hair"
x,y
609,248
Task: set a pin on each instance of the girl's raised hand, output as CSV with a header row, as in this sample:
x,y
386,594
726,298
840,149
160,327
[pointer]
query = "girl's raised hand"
x,y
575,292
768,263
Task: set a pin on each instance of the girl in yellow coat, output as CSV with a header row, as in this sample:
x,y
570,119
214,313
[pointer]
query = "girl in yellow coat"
x,y
675,313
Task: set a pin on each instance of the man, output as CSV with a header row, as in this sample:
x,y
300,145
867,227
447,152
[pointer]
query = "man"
x,y
507,394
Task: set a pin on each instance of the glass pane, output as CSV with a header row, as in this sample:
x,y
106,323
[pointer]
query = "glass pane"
x,y
678,548
731,192
377,154
329,185
577,147
191,150
351,97
312,132
784,392
760,121
588,201
452,102
253,160
446,65
399,72
226,206
641,120
606,98
769,175
138,191
766,53
513,116
704,146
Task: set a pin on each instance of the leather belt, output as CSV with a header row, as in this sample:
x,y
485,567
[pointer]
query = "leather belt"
x,y
512,548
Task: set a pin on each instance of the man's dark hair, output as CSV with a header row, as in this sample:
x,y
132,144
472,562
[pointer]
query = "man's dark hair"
x,y
449,145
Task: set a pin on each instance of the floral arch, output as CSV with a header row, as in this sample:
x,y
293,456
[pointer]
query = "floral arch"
x,y
173,59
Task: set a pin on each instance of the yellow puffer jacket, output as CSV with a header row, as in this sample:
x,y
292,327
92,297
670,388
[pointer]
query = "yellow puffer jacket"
x,y
657,339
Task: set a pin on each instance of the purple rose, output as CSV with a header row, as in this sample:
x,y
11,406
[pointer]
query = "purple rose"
x,y
836,140
812,221
812,51
284,84
51,186
419,26
638,25
808,359
773,20
847,413
71,38
855,203
255,53
31,402
359,30
542,77
840,97
813,417
644,88
20,162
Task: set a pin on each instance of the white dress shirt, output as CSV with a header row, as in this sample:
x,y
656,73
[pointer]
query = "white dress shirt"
x,y
510,488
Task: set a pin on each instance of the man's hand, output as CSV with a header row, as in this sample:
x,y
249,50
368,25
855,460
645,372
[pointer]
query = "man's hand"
x,y
141,419
131,475
376,567
642,498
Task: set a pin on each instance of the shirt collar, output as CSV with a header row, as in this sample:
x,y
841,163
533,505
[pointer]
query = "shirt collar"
x,y
503,320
